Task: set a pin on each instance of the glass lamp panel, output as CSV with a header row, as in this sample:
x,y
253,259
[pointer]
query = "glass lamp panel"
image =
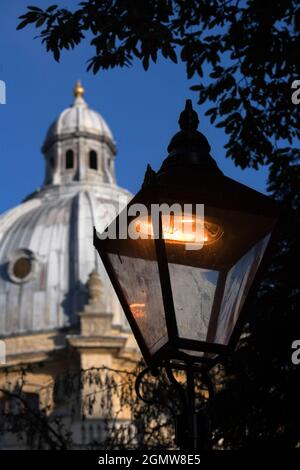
x,y
193,295
137,272
238,281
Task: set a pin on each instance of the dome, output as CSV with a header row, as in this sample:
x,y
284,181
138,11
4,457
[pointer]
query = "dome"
x,y
46,246
47,255
80,119
79,146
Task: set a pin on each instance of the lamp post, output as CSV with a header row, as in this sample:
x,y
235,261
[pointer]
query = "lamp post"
x,y
184,276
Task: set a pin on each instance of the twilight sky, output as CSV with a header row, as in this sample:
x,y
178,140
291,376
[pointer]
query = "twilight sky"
x,y
141,108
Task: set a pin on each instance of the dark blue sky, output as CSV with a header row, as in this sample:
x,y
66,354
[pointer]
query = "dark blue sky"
x,y
141,108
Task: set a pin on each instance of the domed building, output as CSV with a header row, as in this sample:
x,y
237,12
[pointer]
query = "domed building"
x,y
57,305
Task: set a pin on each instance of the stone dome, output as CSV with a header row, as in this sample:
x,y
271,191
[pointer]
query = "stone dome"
x,y
80,119
46,246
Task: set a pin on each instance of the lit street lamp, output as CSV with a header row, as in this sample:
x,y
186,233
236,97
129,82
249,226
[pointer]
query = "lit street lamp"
x,y
184,279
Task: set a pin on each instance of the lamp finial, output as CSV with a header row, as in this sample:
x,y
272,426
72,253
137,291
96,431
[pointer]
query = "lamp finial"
x,y
188,120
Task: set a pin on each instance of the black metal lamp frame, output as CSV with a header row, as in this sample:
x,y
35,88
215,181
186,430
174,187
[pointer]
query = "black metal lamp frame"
x,y
189,156
171,350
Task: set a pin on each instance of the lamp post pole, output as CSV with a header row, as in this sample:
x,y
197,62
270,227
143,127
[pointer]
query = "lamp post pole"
x,y
193,427
190,397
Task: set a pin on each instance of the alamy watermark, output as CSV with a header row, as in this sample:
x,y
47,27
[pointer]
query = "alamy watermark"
x,y
296,354
2,92
176,223
296,94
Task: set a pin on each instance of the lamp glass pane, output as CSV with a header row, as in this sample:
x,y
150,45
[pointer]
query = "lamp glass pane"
x,y
139,279
238,281
193,295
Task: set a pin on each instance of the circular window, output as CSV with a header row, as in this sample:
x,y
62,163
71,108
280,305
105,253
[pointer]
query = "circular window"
x,y
22,268
21,265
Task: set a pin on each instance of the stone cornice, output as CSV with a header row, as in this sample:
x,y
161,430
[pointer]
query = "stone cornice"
x,y
104,344
74,135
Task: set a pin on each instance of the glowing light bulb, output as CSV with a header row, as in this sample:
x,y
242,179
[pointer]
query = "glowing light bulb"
x,y
182,229
138,310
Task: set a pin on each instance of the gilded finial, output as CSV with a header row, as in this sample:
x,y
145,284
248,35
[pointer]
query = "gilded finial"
x,y
78,90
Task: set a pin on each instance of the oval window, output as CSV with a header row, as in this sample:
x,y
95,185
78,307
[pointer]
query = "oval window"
x,y
22,268
21,265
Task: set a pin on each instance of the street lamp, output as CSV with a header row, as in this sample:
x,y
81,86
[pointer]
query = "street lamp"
x,y
184,276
